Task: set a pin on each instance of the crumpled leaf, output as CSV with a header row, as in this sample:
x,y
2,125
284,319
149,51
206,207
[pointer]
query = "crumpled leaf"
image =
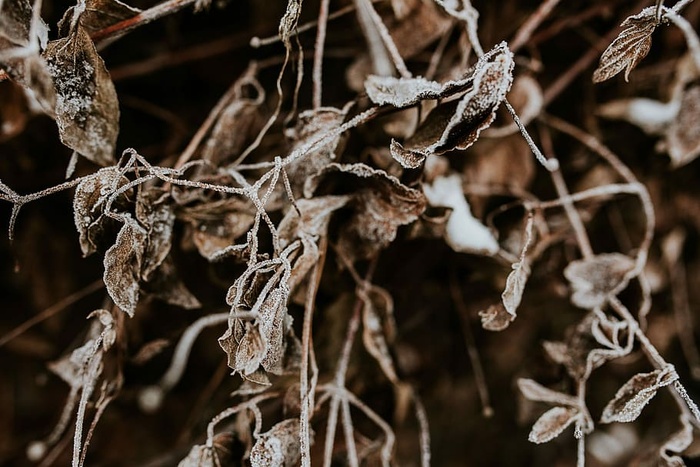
x,y
277,447
495,318
87,111
378,328
635,394
464,233
88,220
22,38
552,423
457,124
98,14
595,280
629,47
154,211
381,204
122,265
683,134
311,125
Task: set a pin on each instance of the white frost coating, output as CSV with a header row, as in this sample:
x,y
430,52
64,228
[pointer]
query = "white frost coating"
x,y
465,233
653,117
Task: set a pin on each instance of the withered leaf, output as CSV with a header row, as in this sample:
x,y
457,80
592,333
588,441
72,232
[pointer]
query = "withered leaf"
x,y
552,423
378,328
683,134
89,221
381,204
595,280
164,283
155,213
517,279
199,456
495,318
122,265
277,447
16,22
534,391
635,394
457,124
99,14
87,111
629,47
401,92
464,233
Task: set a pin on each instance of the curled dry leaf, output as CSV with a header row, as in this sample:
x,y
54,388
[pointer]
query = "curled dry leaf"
x,y
90,192
457,124
683,134
534,391
154,211
552,423
635,394
495,318
277,447
381,204
629,47
122,265
378,328
464,233
596,279
87,111
98,14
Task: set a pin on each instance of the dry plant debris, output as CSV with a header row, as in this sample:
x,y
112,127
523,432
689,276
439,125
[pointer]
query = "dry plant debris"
x,y
289,241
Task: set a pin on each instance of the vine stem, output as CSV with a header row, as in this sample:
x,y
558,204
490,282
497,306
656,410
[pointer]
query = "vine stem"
x,y
123,27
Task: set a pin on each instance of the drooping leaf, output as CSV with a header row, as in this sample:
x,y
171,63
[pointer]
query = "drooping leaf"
x,y
552,423
683,134
676,444
277,447
629,47
534,391
457,124
89,220
378,328
155,213
99,14
87,111
595,280
122,265
635,394
380,203
517,279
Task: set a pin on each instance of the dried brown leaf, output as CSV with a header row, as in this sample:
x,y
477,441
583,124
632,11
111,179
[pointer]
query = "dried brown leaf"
x,y
683,134
379,328
534,391
458,123
517,279
635,394
99,14
164,283
88,220
122,265
277,447
495,318
381,204
87,111
629,47
552,423
596,279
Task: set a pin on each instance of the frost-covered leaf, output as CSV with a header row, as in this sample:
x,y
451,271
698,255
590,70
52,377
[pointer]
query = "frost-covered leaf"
x,y
464,233
122,265
164,283
378,328
552,423
380,203
199,456
534,391
635,394
629,47
89,220
154,212
457,124
683,135
278,447
517,279
99,14
495,318
87,111
401,92
596,279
